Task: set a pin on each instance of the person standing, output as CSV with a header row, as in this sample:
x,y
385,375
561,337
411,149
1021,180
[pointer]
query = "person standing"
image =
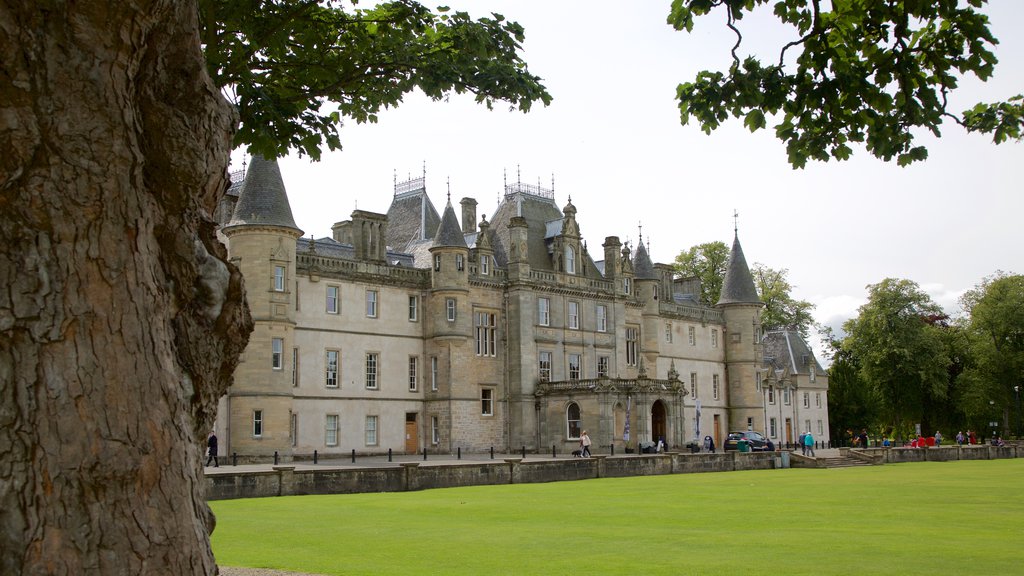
x,y
211,450
585,444
863,438
938,438
808,444
960,438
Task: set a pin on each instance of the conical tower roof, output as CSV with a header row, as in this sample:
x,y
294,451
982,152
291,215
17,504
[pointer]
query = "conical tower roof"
x,y
738,285
643,268
449,233
263,200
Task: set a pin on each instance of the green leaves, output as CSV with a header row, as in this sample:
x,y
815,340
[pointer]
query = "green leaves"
x,y
866,72
296,69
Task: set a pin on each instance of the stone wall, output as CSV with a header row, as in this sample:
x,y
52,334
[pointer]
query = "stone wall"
x,y
287,481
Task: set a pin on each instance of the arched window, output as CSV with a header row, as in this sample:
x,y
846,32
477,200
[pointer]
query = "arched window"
x,y
570,260
572,420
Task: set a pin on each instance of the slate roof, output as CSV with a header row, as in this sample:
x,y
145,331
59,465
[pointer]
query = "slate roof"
x,y
262,199
738,285
449,233
411,218
331,248
538,211
643,268
786,349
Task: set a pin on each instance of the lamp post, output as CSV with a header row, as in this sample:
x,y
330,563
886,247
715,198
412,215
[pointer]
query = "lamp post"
x,y
1016,393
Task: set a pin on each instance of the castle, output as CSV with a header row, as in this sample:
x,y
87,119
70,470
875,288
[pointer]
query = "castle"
x,y
411,332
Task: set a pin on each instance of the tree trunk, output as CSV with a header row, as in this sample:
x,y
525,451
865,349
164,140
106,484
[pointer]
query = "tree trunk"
x,y
120,320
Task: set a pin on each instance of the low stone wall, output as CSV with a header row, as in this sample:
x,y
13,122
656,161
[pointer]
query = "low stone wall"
x,y
287,481
945,453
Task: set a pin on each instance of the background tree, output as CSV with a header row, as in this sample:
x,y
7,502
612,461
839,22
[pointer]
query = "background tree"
x,y
899,350
995,329
781,310
121,321
855,72
852,404
706,262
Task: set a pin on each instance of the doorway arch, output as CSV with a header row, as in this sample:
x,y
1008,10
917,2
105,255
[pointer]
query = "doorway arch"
x,y
659,422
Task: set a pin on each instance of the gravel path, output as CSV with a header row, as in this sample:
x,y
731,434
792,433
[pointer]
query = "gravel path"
x,y
236,571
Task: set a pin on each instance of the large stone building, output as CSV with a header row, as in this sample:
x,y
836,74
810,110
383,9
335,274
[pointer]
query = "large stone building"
x,y
409,331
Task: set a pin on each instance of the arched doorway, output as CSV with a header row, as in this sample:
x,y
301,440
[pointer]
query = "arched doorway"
x,y
659,422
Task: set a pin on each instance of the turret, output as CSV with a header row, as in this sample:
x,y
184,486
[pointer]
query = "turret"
x,y
450,277
741,308
261,237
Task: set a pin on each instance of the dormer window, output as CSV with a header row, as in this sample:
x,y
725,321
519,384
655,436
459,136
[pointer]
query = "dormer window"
x,y
570,260
485,265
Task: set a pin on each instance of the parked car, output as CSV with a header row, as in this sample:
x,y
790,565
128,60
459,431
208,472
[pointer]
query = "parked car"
x,y
755,440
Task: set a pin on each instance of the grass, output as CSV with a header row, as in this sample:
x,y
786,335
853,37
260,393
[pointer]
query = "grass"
x,y
930,518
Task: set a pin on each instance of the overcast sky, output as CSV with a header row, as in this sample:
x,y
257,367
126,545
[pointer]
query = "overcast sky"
x,y
613,142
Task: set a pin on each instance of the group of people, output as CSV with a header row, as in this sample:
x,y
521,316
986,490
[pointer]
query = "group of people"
x,y
807,443
968,438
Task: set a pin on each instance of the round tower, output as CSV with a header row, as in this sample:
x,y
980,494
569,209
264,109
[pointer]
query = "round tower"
x,y
261,237
741,308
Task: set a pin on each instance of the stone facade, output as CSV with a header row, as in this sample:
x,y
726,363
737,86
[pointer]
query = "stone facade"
x,y
409,331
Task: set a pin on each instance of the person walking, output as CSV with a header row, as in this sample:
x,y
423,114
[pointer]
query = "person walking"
x,y
211,450
938,438
802,441
585,444
809,444
960,438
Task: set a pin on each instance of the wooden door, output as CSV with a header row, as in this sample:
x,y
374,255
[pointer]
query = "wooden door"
x,y
412,439
718,430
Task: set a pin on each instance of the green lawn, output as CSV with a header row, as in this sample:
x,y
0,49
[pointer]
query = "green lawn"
x,y
930,518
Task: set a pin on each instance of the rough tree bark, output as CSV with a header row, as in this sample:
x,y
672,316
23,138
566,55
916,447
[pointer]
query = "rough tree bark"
x,y
120,320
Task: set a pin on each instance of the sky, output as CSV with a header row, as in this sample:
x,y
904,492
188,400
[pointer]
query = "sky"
x,y
612,141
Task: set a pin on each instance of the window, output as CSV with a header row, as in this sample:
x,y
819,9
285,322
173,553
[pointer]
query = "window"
x,y
714,338
691,333
807,399
626,286
460,263
278,278
257,423
750,423
632,337
817,399
543,311
295,367
449,305
693,384
437,262
435,430
771,395
485,264
668,332
331,374
714,386
485,333
735,337
821,428
574,316
414,308
785,396
414,364
757,334
433,373
773,428
570,260
573,421
293,430
574,366
487,402
371,430
602,318
602,366
331,430
371,370
807,425
813,373
332,299
277,353
371,303
544,362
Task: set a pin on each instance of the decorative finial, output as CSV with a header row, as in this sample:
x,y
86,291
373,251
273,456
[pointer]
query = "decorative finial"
x,y
552,181
244,164
640,227
394,177
735,222
424,170
448,181
519,178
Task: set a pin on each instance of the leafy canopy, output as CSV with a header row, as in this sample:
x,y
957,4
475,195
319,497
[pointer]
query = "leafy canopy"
x,y
707,263
295,69
781,310
862,72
